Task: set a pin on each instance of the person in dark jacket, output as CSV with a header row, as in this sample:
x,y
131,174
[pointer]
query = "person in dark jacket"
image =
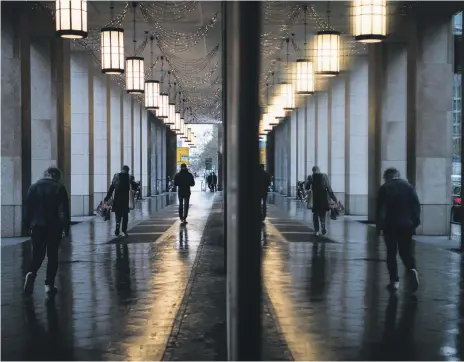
x,y
209,180
46,214
183,181
321,190
265,181
398,215
121,186
214,181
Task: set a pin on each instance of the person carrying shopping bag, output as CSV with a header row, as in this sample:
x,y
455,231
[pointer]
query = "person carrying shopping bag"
x,y
121,190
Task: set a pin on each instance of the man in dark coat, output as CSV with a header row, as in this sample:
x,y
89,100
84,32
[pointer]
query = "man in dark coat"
x,y
209,180
121,186
398,216
265,181
321,190
214,180
183,181
46,214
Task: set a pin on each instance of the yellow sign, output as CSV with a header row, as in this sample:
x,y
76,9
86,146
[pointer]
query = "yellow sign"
x,y
182,155
262,155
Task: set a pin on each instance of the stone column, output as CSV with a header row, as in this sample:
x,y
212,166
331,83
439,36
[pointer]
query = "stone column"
x,y
357,139
146,153
136,171
311,133
127,132
101,136
81,82
433,143
115,124
322,135
154,155
337,137
163,158
292,121
16,120
302,144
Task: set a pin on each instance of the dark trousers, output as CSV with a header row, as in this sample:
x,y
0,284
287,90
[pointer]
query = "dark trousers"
x,y
124,217
264,206
45,240
399,240
183,205
319,215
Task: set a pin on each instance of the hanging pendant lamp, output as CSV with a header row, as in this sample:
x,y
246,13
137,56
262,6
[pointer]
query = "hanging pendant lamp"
x,y
112,50
189,135
370,20
135,73
170,120
287,96
163,110
328,53
152,87
304,77
177,122
71,18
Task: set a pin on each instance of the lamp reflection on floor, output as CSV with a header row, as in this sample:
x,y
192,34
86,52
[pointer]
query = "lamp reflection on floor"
x,y
183,238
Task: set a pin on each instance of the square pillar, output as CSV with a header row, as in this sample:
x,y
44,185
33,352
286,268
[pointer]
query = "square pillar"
x,y
126,132
322,135
136,171
293,144
146,152
115,133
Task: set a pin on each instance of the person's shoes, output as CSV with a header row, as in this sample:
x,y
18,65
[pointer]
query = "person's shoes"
x,y
116,232
393,286
324,231
125,234
51,290
317,233
185,222
29,283
413,280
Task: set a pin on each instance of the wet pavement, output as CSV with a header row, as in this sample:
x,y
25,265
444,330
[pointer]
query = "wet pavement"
x,y
117,299
160,293
329,297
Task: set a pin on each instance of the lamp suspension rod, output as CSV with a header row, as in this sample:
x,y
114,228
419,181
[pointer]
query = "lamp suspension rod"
x,y
151,56
134,4
111,11
328,15
305,26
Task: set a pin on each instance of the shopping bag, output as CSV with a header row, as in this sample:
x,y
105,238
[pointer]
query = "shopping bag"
x,y
131,200
333,214
104,210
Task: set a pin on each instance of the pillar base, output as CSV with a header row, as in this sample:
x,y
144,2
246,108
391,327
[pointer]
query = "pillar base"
x,y
434,220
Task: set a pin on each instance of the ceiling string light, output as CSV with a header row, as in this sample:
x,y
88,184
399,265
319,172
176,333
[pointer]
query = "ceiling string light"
x,y
369,20
163,110
135,75
71,18
112,48
152,87
328,50
304,67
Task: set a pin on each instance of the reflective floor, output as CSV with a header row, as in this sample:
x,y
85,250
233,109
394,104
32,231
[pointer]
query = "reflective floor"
x,y
121,299
329,295
117,298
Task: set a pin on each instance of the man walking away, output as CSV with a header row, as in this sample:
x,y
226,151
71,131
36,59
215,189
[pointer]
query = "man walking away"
x,y
209,180
214,180
121,186
398,215
183,181
46,214
321,191
265,181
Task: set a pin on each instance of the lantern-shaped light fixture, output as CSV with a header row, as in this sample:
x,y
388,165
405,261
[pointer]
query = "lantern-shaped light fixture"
x,y
71,18
163,110
112,50
370,20
184,132
287,96
135,75
189,135
277,109
152,94
177,122
171,120
328,53
304,77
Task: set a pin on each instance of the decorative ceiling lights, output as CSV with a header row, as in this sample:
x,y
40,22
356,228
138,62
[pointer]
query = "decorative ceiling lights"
x,y
135,73
287,96
177,122
328,53
152,87
163,110
304,77
370,20
171,120
112,50
71,18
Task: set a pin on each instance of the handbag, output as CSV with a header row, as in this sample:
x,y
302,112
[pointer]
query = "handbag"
x,y
104,210
131,199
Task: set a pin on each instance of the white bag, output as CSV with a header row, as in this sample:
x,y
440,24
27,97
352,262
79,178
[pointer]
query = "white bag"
x,y
131,199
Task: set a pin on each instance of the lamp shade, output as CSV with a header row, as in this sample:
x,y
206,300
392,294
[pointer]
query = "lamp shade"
x,y
152,94
163,110
370,20
328,53
184,132
287,96
177,122
112,50
189,135
171,119
304,77
71,18
135,75
277,108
